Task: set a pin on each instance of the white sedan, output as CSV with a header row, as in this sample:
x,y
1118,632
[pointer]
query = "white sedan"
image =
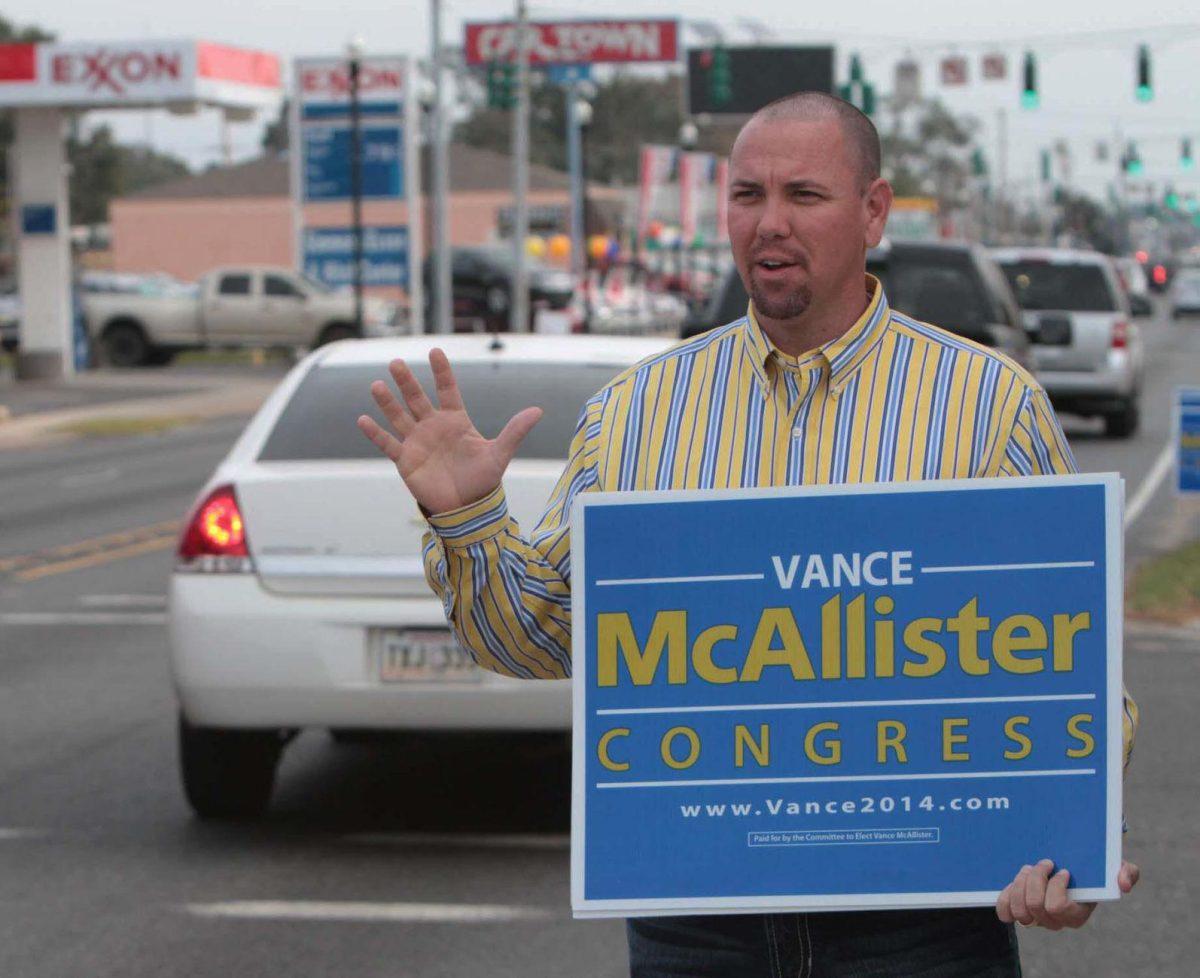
x,y
298,597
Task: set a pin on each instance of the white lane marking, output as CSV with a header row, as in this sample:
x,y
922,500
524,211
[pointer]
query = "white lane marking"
x,y
970,568
463,841
681,580
408,913
1064,772
1145,492
124,600
8,835
82,618
939,701
90,478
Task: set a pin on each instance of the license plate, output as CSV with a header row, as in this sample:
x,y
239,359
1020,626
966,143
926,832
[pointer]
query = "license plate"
x,y
422,656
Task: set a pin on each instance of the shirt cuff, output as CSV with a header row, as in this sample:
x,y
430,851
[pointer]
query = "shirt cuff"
x,y
473,523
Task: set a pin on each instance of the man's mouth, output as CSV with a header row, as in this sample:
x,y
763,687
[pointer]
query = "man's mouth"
x,y
774,264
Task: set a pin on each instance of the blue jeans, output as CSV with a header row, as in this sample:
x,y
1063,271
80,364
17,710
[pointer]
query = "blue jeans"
x,y
956,943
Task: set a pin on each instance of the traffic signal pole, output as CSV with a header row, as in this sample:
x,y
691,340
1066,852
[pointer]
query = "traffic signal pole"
x,y
519,300
442,304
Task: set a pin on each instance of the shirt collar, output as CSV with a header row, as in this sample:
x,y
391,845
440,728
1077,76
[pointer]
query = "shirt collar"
x,y
844,354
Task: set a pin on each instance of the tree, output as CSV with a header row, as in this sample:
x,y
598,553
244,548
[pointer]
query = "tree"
x,y
927,154
627,111
275,136
102,169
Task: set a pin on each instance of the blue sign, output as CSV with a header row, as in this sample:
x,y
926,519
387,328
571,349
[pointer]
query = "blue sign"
x,y
329,255
327,162
38,219
844,697
568,74
1188,461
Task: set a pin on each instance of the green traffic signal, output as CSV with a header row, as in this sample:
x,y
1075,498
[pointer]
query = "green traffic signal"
x,y
1029,90
1145,86
1186,160
720,77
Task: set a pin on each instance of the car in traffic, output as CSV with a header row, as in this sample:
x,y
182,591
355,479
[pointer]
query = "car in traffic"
x,y
1088,353
243,306
10,318
298,597
955,285
1136,286
482,285
1185,293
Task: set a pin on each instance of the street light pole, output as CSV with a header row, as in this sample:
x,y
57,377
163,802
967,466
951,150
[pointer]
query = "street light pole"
x,y
519,300
442,304
354,50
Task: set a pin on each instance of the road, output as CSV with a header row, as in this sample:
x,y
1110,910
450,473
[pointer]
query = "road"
x,y
379,858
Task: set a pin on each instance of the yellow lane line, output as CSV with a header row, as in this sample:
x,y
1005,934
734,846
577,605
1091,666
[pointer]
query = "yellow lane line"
x,y
96,559
91,545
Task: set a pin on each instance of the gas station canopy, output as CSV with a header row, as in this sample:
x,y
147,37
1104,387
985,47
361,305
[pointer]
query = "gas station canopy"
x,y
138,74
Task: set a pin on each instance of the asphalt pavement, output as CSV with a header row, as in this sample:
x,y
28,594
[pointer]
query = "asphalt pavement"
x,y
400,857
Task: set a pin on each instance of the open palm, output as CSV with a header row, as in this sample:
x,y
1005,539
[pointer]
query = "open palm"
x,y
441,456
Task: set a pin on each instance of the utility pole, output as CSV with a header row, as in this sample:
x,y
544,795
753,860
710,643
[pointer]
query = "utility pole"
x,y
519,300
575,170
354,50
442,304
1002,173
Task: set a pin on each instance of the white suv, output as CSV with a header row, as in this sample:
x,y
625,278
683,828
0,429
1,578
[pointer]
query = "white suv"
x,y
1087,351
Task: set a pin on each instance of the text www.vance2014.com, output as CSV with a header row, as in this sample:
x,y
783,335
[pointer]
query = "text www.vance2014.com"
x,y
847,806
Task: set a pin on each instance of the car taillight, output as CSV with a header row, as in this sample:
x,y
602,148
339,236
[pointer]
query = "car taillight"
x,y
1120,335
1160,275
215,539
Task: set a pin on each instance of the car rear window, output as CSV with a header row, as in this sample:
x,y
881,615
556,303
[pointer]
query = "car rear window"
x,y
1073,288
318,421
942,292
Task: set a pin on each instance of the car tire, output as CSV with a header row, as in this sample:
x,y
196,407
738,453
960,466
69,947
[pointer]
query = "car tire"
x,y
228,774
160,356
125,345
496,299
1123,423
335,332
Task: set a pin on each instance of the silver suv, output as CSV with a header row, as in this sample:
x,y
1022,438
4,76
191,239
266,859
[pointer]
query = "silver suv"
x,y
1087,351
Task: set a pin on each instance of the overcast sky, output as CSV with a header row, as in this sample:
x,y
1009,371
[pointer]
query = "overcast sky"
x,y
1086,82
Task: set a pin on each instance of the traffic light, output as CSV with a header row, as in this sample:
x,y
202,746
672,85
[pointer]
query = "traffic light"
x,y
720,77
1145,86
858,91
1029,89
1131,162
501,85
1171,199
1046,172
1186,160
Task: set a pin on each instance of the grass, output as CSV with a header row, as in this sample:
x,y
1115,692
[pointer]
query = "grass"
x,y
124,427
1167,588
244,357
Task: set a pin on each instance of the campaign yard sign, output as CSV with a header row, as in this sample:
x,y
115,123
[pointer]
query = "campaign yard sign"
x,y
844,697
1187,456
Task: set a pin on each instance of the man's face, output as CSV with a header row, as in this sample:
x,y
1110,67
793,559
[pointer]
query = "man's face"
x,y
800,219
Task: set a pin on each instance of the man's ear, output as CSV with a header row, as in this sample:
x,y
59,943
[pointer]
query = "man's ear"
x,y
877,203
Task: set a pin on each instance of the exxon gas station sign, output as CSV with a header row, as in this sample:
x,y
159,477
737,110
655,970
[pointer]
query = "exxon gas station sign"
x,y
576,42
326,81
136,73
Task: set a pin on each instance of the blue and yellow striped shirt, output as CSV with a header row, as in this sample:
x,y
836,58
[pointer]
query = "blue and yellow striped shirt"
x,y
891,399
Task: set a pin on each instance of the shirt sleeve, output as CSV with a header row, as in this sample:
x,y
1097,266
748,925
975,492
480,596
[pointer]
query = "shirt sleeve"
x,y
1037,446
508,597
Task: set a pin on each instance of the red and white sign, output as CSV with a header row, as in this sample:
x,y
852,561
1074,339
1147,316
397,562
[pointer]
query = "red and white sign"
x,y
327,80
954,71
570,42
137,73
723,199
655,165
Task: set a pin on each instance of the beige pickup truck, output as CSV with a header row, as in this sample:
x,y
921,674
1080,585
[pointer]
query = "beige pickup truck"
x,y
240,306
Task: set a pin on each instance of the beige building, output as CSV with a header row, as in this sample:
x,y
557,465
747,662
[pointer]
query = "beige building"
x,y
243,214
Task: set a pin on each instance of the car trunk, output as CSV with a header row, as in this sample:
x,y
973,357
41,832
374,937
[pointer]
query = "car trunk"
x,y
351,528
1070,340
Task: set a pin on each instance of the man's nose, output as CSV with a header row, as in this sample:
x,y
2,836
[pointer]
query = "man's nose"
x,y
773,222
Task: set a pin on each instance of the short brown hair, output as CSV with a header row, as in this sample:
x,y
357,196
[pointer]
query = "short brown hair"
x,y
859,130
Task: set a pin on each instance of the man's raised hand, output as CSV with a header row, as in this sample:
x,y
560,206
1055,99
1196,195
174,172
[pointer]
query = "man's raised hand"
x,y
443,459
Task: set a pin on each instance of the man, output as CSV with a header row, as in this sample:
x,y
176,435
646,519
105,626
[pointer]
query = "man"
x,y
821,383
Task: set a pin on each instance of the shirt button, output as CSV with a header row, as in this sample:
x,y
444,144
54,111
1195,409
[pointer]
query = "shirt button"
x,y
797,432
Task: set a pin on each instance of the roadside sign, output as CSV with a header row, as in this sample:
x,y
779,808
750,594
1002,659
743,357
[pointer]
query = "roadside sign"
x,y
568,74
954,71
1187,413
322,135
574,42
329,255
839,697
327,150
